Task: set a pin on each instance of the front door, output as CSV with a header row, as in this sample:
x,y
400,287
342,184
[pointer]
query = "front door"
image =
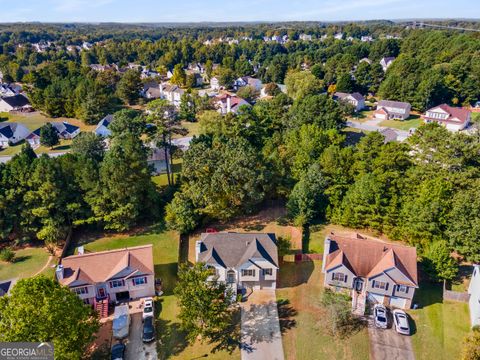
x,y
358,284
102,293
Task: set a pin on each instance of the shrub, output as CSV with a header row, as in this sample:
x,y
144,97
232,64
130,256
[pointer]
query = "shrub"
x,y
7,254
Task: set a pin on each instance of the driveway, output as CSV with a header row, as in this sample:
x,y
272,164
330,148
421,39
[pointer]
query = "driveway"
x,y
261,336
388,344
136,349
373,125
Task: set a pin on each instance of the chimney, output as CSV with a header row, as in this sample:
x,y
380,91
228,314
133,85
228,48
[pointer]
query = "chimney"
x,y
198,246
161,89
80,250
229,104
326,251
59,272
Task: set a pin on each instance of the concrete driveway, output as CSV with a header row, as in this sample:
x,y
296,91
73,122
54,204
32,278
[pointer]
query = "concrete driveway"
x,y
261,335
136,349
387,344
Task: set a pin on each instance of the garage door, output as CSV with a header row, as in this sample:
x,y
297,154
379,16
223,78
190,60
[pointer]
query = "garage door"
x,y
376,298
397,302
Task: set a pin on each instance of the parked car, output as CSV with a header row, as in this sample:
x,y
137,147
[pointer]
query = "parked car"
x,y
380,316
118,351
148,329
121,322
400,319
147,308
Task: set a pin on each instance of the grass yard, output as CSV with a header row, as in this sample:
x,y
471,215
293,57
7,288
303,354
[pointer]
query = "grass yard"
x,y
441,326
412,122
34,120
161,180
362,116
172,344
192,127
28,262
301,285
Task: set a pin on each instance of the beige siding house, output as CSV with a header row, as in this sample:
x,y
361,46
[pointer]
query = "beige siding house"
x,y
242,260
371,269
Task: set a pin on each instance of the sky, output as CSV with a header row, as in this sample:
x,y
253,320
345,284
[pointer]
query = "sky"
x,y
231,10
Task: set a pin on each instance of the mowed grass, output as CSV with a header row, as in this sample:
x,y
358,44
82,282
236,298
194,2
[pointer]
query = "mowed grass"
x,y
301,285
192,127
28,262
161,180
172,343
412,122
441,326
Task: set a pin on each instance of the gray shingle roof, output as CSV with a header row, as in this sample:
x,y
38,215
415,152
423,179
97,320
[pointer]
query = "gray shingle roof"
x,y
231,250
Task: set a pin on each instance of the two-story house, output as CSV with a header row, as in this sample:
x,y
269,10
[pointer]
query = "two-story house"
x,y
256,84
116,275
453,118
387,110
172,93
474,291
227,103
372,270
355,99
12,133
386,62
242,260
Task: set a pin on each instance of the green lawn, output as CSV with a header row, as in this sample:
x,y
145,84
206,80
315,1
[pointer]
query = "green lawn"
x,y
301,286
192,127
161,180
28,262
412,122
475,116
165,255
440,325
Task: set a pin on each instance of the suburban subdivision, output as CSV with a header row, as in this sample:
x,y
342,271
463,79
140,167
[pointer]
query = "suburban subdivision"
x,y
251,181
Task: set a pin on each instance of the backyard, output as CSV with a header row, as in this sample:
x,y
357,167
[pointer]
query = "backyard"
x,y
412,122
28,262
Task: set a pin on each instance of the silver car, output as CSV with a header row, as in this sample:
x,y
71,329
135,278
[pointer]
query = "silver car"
x,y
380,316
400,319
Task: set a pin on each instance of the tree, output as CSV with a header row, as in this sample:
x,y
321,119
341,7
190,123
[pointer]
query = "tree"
x,y
127,121
338,320
301,84
48,135
205,309
89,146
471,347
307,201
39,307
345,83
438,262
320,110
187,109
179,77
248,93
129,86
272,89
180,214
226,77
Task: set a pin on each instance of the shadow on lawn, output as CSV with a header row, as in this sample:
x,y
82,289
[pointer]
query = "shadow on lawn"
x,y
19,259
171,340
286,312
293,274
168,274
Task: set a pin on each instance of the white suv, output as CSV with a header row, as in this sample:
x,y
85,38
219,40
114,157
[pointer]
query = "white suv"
x,y
147,308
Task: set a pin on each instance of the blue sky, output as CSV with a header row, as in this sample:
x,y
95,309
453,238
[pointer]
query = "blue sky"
x,y
231,10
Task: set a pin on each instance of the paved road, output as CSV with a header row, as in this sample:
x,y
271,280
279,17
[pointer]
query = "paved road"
x,y
136,349
388,344
261,336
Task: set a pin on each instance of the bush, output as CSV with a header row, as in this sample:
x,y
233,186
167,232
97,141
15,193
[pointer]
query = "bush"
x,y
7,255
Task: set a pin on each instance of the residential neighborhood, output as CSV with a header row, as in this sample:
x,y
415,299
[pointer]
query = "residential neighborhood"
x,y
187,182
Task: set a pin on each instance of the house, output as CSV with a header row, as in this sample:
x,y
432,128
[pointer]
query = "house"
x,y
387,110
338,36
64,130
367,60
241,260
7,91
14,103
157,159
102,126
215,83
371,270
151,90
6,286
115,275
386,62
227,103
474,291
305,37
453,118
256,84
366,39
172,93
12,133
86,45
389,134
356,99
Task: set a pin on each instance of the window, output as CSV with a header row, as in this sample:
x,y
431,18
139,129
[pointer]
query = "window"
x,y
267,272
230,276
339,277
248,272
402,288
81,290
380,285
139,281
117,283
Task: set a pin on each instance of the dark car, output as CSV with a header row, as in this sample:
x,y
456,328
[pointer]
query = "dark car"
x,y
118,351
148,329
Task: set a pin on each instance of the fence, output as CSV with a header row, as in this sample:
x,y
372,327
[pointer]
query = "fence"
x,y
454,295
308,257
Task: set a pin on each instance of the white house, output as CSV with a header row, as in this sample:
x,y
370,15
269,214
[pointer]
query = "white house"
x,y
355,99
12,133
172,93
305,37
387,110
227,103
102,127
64,130
256,84
386,62
474,291
453,118
14,103
115,275
215,83
242,260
